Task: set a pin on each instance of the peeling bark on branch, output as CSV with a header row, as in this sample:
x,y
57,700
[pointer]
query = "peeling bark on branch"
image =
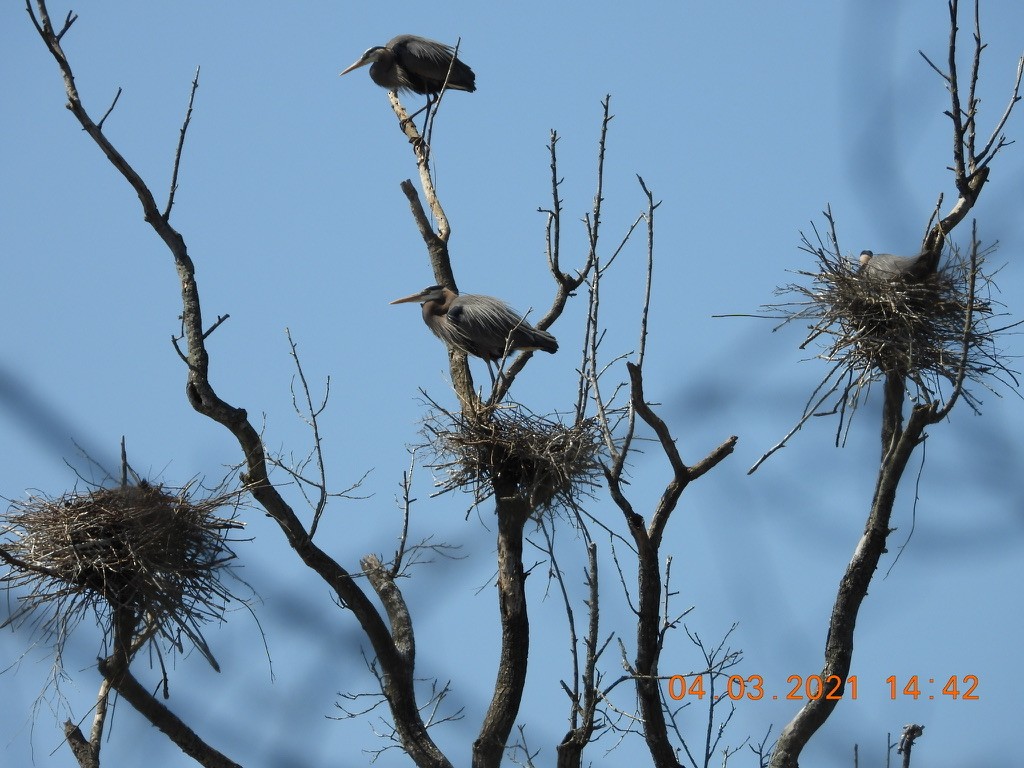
x,y
80,748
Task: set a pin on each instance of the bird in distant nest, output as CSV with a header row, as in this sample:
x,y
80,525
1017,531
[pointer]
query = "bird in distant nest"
x,y
886,266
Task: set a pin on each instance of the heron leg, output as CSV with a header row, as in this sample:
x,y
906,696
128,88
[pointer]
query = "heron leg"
x,y
428,121
426,106
421,143
409,119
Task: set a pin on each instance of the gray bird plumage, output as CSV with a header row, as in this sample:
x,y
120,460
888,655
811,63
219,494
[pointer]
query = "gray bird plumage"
x,y
479,325
412,63
886,266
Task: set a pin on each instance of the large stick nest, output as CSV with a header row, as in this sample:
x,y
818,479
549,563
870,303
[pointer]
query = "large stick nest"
x,y
151,554
548,462
935,333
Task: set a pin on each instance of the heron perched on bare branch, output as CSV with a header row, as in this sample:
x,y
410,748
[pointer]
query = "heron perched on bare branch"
x,y
886,266
411,63
478,325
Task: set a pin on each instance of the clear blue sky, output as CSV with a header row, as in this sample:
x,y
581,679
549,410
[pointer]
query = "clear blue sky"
x,y
746,119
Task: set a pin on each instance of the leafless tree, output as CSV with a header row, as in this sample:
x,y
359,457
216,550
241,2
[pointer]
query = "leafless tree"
x,y
538,471
924,341
542,474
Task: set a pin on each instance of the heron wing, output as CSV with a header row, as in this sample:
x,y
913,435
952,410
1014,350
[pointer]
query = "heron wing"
x,y
888,266
426,63
481,325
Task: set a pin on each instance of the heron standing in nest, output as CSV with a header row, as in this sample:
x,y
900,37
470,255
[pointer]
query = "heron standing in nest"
x,y
478,325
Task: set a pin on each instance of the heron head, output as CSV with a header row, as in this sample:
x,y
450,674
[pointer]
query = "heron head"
x,y
369,57
865,257
431,293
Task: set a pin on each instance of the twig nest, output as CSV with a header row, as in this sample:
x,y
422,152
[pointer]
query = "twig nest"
x,y
925,330
547,462
144,552
897,325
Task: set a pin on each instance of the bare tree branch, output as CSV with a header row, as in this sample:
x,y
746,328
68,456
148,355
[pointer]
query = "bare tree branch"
x,y
84,751
970,168
312,418
565,283
177,153
513,512
160,716
898,445
646,537
102,701
898,440
437,249
399,686
422,151
109,110
584,703
648,541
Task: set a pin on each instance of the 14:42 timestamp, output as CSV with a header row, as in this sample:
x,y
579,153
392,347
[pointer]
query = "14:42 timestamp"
x,y
955,687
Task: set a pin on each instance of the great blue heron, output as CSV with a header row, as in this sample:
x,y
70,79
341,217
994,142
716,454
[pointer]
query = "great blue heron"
x,y
886,266
416,64
479,325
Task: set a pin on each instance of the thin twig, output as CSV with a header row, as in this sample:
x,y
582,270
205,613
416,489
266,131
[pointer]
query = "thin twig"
x,y
110,109
180,147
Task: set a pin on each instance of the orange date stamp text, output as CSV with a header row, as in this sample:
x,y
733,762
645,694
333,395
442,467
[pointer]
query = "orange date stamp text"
x,y
830,688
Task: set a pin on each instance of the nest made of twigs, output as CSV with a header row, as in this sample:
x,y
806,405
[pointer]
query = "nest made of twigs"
x,y
150,554
546,461
931,332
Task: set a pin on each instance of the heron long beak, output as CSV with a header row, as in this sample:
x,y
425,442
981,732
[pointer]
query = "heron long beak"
x,y
361,63
409,299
